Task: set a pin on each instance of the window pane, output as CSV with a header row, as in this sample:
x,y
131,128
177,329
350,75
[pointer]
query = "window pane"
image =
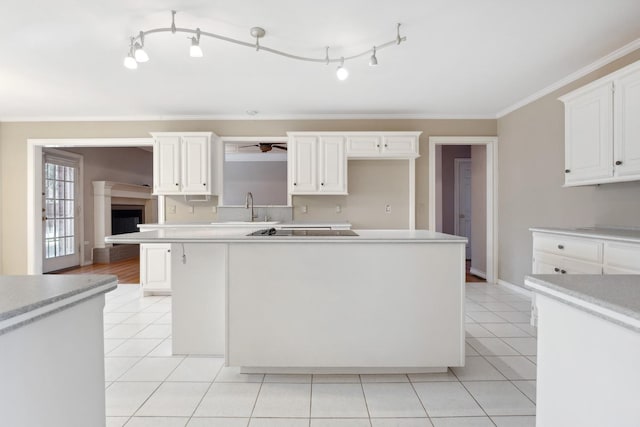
x,y
69,209
69,227
70,249
60,247
69,174
49,208
49,185
59,191
50,229
50,249
59,227
69,190
48,171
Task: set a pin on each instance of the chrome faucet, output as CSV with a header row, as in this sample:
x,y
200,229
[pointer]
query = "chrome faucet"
x,y
248,198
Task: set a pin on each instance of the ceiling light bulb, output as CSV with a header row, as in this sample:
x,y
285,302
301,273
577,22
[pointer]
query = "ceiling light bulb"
x,y
195,51
140,54
130,62
373,61
342,73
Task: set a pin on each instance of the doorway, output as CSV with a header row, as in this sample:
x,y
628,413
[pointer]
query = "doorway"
x,y
462,210
484,199
35,181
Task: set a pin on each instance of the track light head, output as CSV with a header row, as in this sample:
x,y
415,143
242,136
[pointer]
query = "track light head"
x,y
196,51
342,73
130,62
373,61
139,53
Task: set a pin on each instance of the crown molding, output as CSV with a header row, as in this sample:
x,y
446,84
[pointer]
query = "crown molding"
x,y
212,117
607,59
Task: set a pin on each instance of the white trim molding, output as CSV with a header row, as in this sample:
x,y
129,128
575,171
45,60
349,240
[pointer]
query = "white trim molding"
x,y
478,273
491,142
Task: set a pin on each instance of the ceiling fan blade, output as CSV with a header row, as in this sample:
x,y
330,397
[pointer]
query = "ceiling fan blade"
x,y
280,147
247,146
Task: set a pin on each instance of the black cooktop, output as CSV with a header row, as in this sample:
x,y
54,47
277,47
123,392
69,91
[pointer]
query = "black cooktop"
x,y
309,232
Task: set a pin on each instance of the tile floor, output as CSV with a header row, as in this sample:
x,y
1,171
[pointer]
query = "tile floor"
x,y
146,386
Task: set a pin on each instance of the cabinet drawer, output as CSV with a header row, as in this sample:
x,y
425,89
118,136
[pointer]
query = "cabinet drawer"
x,y
622,256
545,263
580,249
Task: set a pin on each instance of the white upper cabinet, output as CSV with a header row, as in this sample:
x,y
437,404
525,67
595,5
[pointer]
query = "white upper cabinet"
x,y
602,132
627,125
382,145
317,164
183,163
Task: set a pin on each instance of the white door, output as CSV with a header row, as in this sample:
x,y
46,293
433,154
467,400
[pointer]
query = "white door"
x,y
303,157
462,202
166,165
195,162
155,267
60,213
332,165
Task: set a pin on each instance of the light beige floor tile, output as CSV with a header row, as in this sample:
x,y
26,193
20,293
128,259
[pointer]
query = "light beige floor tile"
x,y
279,400
500,398
447,399
388,400
197,369
229,400
514,367
338,401
476,368
124,399
151,369
174,400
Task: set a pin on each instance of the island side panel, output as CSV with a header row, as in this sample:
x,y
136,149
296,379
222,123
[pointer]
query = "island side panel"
x,y
198,303
573,343
341,305
52,369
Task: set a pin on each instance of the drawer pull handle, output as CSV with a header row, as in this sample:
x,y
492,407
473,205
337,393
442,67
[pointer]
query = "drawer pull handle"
x,y
560,246
567,170
557,270
563,271
618,162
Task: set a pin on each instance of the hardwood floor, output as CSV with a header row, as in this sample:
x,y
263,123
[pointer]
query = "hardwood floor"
x,y
128,271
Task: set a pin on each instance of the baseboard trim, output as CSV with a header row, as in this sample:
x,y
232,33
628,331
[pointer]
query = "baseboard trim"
x,y
85,263
478,273
516,288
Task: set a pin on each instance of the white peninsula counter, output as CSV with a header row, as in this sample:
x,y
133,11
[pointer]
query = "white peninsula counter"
x,y
379,301
588,349
52,350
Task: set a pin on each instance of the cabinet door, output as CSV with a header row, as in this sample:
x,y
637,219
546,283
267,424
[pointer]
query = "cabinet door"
x,y
622,256
627,125
166,165
400,145
303,158
589,136
332,165
363,146
155,267
196,165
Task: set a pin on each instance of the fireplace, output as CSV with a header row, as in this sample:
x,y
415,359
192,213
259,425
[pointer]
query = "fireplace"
x,y
119,208
125,218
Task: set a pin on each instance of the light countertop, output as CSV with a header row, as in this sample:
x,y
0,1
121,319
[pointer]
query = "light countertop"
x,y
613,297
239,235
259,224
609,233
24,299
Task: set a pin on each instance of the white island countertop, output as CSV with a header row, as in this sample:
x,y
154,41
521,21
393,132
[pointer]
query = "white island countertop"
x,y
24,299
240,235
613,297
250,224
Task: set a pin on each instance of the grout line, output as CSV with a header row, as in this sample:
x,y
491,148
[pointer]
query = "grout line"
x,y
364,395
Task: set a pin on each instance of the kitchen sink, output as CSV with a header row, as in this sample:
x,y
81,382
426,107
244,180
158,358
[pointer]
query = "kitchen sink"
x,y
309,233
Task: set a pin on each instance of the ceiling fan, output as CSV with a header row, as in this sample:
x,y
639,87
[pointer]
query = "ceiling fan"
x,y
267,146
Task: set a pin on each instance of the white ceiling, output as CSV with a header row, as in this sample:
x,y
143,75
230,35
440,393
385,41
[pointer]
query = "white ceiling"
x,y
462,58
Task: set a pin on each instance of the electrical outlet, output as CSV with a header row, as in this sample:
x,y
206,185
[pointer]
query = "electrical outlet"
x,y
338,208
214,209
172,209
190,209
387,208
304,209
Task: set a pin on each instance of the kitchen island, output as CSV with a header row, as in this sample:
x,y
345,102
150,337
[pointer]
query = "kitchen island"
x,y
52,350
588,349
380,301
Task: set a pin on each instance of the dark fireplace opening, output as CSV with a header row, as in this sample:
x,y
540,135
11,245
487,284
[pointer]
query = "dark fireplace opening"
x,y
125,218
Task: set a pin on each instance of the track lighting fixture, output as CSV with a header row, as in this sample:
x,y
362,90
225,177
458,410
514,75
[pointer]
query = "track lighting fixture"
x,y
138,49
137,54
373,61
196,51
342,73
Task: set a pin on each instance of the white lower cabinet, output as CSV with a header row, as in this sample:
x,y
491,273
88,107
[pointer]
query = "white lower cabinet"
x,y
555,252
155,268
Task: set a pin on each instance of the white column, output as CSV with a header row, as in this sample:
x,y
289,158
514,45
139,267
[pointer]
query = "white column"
x,y
101,213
